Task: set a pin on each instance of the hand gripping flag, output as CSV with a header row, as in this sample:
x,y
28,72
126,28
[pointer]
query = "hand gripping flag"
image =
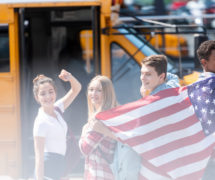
x,y
172,130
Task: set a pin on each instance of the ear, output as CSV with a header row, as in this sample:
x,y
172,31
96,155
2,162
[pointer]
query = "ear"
x,y
162,77
203,62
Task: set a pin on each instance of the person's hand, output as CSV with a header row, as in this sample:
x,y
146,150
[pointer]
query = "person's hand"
x,y
144,92
97,126
65,75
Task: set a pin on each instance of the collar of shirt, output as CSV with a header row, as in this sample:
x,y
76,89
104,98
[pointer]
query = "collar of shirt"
x,y
160,88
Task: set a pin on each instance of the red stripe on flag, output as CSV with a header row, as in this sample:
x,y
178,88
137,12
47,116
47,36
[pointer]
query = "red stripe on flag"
x,y
189,159
136,104
153,168
154,116
193,176
173,145
141,177
161,131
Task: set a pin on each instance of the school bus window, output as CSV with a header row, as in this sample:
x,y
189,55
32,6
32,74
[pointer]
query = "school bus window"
x,y
4,49
125,75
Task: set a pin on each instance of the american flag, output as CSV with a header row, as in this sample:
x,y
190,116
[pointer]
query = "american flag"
x,y
202,96
165,131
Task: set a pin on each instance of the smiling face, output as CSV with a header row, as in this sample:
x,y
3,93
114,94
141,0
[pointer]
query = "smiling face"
x,y
150,78
95,94
46,95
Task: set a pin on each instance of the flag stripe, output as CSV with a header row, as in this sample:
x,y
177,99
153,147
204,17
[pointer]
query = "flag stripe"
x,y
171,137
182,152
164,130
150,172
195,175
154,116
187,159
142,130
188,169
143,107
173,145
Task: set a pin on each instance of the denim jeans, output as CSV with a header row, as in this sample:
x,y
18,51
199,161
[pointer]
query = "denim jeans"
x,y
209,173
54,165
126,163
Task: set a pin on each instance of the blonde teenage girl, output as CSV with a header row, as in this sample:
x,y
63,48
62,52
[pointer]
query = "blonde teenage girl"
x,y
95,143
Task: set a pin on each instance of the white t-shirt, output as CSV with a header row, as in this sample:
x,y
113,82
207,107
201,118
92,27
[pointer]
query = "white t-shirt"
x,y
53,130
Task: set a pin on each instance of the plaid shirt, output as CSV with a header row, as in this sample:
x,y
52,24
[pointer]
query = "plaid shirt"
x,y
98,151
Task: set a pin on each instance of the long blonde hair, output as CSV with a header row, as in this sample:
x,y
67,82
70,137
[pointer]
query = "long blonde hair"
x,y
108,93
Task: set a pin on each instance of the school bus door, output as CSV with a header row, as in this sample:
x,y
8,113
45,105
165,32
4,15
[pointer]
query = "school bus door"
x,y
9,94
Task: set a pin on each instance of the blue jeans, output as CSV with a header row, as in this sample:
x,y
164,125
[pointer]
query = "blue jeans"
x,y
54,165
126,163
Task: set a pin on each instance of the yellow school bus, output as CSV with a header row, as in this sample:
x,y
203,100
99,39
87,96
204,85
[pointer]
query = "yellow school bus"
x,y
43,36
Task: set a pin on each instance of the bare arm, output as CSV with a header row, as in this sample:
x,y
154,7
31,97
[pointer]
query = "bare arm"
x,y
84,129
74,90
39,157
